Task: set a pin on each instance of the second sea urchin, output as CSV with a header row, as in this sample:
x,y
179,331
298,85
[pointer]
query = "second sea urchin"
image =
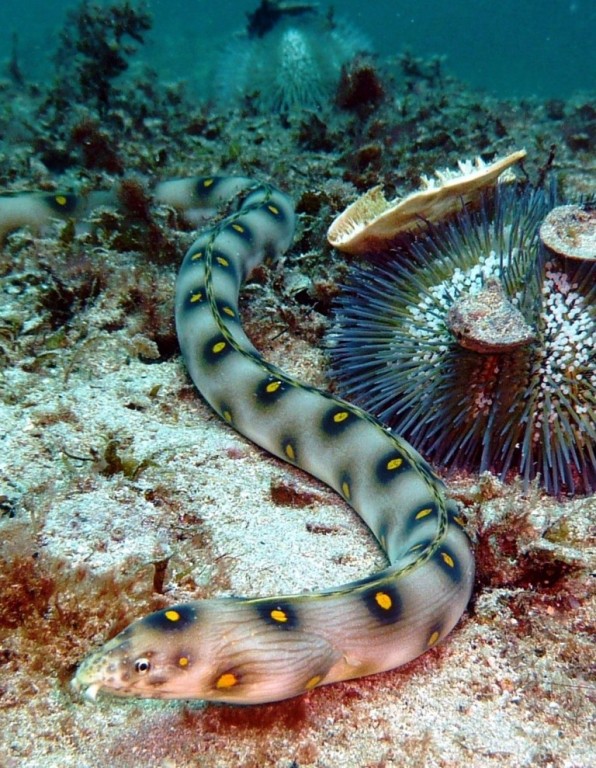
x,y
294,66
528,406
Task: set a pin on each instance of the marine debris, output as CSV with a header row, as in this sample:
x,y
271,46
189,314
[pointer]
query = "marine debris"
x,y
271,12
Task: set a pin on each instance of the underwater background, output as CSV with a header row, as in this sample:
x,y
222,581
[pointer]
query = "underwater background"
x,y
121,492
542,48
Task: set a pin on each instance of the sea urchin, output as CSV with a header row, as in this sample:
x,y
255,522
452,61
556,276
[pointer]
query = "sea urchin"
x,y
529,406
294,66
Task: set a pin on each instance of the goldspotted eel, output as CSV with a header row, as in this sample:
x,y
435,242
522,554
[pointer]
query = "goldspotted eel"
x,y
249,651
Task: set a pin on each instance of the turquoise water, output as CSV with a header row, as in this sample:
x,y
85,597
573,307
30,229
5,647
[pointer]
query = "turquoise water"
x,y
544,48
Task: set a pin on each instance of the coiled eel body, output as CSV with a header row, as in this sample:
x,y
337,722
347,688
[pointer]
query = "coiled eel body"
x,y
250,651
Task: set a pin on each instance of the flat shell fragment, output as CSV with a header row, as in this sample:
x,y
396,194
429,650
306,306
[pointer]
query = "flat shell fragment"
x,y
372,221
487,321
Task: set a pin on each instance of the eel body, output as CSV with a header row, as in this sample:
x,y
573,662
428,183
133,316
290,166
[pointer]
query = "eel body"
x,y
245,650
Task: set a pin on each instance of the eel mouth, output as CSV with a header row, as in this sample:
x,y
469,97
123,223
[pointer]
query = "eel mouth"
x,y
88,692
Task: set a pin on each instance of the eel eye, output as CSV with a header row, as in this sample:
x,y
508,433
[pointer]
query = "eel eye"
x,y
142,666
